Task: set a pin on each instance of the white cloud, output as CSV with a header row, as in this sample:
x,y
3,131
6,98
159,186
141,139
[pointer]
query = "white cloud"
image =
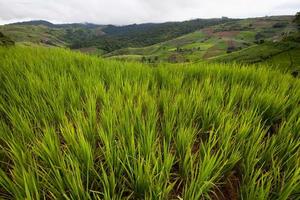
x,y
139,11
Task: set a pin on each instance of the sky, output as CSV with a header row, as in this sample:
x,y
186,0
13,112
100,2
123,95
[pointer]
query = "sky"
x,y
121,12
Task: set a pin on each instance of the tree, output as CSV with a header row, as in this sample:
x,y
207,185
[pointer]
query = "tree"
x,y
5,40
297,20
259,36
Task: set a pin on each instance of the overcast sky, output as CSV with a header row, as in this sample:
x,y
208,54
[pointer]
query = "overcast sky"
x,y
138,11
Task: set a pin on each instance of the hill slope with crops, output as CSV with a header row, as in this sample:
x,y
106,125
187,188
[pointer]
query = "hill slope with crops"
x,y
218,40
73,126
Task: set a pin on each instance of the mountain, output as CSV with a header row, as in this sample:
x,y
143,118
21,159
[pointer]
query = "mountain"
x,y
223,42
104,37
137,35
35,23
51,25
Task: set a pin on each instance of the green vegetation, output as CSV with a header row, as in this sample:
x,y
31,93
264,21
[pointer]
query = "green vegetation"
x,y
218,40
34,34
5,41
297,20
74,126
284,55
174,42
140,35
105,38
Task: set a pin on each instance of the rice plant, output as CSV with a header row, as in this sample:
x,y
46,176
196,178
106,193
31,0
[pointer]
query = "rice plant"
x,y
74,126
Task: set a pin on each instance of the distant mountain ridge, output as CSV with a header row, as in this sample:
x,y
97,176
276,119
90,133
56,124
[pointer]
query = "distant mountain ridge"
x,y
52,25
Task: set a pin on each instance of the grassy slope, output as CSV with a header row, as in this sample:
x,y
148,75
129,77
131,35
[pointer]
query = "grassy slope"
x,y
78,127
285,55
213,41
34,34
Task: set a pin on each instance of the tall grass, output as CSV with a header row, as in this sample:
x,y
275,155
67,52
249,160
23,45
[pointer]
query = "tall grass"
x,y
80,127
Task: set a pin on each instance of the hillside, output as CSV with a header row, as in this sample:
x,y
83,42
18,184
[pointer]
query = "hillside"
x,y
34,34
102,38
222,39
74,126
285,55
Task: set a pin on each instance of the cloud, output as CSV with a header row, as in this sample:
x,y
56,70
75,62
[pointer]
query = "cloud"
x,y
139,11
